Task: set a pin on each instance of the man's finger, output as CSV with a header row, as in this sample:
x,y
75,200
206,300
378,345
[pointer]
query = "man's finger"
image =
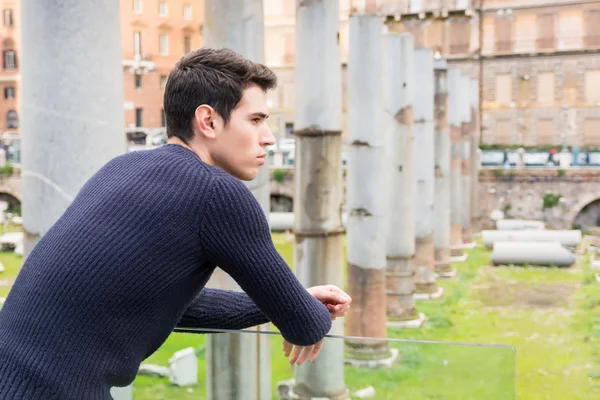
x,y
316,351
306,352
333,297
287,348
295,354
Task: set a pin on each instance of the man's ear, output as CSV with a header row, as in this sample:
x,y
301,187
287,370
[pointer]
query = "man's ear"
x,y
204,119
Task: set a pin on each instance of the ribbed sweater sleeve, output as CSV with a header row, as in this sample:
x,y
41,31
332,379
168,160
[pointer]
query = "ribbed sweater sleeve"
x,y
235,235
222,309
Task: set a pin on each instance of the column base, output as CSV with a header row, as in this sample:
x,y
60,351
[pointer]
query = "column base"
x,y
403,312
446,273
410,324
381,363
443,267
469,245
462,258
429,296
285,391
426,287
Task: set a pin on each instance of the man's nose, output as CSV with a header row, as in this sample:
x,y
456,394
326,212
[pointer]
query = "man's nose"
x,y
267,139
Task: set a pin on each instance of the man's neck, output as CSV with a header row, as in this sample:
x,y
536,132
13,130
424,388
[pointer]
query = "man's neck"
x,y
199,150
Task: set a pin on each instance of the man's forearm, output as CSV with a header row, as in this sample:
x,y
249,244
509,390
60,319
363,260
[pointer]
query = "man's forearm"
x,y
222,309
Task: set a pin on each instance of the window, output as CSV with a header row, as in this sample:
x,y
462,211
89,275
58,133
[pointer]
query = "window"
x,y
163,118
187,12
187,44
163,9
545,88
12,120
504,89
592,22
139,118
525,88
163,44
137,43
570,84
289,48
592,86
137,6
545,132
138,81
570,29
289,129
525,34
163,82
503,132
434,35
8,18
10,59
591,126
460,38
545,31
9,92
503,35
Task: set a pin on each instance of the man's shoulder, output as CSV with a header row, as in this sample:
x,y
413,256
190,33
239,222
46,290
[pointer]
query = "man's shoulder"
x,y
227,184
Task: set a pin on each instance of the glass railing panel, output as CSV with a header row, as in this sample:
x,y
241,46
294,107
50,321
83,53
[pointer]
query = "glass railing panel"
x,y
229,367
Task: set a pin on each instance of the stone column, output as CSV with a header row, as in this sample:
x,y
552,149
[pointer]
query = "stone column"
x,y
72,104
398,102
238,365
319,234
441,231
466,131
475,161
366,190
424,144
456,192
72,107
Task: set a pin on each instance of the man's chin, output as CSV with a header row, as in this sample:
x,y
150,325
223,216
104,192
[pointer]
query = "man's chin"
x,y
246,175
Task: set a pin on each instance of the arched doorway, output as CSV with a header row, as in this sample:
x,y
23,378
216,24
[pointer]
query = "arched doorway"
x,y
588,216
281,203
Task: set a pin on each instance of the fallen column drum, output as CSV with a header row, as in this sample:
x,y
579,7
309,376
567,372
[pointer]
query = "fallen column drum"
x,y
531,253
568,238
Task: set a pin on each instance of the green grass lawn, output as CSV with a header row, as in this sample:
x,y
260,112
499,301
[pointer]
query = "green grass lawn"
x,y
551,316
12,264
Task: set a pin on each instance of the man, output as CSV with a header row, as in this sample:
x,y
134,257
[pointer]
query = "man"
x,y
128,260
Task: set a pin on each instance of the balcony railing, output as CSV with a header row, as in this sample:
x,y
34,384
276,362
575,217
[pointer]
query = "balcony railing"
x,y
533,45
545,43
592,41
391,7
459,48
504,46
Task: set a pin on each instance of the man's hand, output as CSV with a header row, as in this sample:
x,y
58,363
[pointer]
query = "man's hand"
x,y
301,353
334,298
338,304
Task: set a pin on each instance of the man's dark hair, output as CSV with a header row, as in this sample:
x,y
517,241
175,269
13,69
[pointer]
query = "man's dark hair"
x,y
215,77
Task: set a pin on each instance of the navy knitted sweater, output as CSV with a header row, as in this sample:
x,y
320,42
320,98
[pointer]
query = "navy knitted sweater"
x,y
127,262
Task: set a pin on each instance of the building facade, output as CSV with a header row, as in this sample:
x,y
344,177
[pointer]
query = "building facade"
x,y
9,73
155,34
541,72
536,61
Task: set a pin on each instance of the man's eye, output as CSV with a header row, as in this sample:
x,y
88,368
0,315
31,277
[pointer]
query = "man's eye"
x,y
257,120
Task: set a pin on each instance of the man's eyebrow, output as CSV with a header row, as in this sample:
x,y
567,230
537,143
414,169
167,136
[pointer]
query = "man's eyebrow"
x,y
260,115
